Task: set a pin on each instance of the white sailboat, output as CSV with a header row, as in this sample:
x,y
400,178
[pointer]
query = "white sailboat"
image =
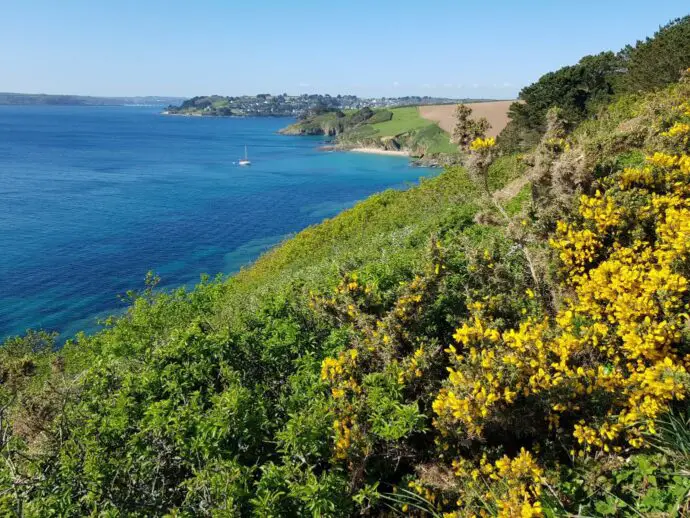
x,y
245,160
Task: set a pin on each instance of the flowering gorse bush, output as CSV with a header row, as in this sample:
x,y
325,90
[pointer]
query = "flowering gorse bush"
x,y
615,356
368,380
592,374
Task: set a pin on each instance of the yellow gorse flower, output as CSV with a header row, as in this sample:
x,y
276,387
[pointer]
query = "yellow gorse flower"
x,y
479,144
679,128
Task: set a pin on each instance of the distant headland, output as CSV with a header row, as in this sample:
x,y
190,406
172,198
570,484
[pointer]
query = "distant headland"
x,y
9,98
423,132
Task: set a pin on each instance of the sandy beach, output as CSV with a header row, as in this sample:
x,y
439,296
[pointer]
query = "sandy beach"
x,y
378,151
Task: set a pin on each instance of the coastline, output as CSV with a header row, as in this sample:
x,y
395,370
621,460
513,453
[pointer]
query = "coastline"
x,y
213,115
364,149
378,151
181,114
178,265
414,161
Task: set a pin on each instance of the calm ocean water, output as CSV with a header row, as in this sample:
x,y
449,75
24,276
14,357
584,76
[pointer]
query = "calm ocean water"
x,y
93,198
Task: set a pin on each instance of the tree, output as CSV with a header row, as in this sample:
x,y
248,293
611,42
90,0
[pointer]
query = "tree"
x,y
578,90
657,61
362,115
468,129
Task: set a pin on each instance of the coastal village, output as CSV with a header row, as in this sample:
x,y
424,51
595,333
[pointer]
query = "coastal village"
x,y
285,105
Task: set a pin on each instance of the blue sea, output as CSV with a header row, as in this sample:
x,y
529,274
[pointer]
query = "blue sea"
x,y
92,198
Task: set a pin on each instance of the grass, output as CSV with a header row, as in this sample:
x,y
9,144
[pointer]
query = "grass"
x,y
434,140
504,170
521,199
386,228
221,103
404,119
428,136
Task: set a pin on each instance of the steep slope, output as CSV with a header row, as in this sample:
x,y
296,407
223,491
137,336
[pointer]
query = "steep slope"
x,y
190,386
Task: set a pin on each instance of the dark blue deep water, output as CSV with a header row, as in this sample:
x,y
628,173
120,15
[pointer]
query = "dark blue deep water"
x,y
93,198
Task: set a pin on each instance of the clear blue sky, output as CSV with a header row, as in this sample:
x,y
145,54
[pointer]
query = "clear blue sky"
x,y
451,48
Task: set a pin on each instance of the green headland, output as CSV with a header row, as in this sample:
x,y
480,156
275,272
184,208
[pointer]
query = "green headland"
x,y
397,129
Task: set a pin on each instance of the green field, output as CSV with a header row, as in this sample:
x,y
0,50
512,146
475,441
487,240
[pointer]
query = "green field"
x,y
221,103
404,119
414,132
434,140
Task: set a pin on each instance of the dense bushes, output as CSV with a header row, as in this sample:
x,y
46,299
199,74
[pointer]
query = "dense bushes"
x,y
581,90
529,385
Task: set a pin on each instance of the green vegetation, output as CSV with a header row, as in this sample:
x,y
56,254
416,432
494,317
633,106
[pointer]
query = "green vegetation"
x,y
392,129
403,120
578,90
659,60
433,140
509,338
383,232
583,89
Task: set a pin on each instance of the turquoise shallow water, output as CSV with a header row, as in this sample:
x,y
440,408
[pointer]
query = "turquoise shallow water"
x,y
91,198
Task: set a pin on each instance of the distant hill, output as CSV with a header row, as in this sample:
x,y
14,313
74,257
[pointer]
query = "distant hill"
x,y
399,129
83,100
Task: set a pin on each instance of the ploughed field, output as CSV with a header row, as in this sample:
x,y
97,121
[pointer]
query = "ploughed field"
x,y
496,112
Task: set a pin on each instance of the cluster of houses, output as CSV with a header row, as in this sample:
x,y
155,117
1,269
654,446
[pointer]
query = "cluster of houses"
x,y
290,105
